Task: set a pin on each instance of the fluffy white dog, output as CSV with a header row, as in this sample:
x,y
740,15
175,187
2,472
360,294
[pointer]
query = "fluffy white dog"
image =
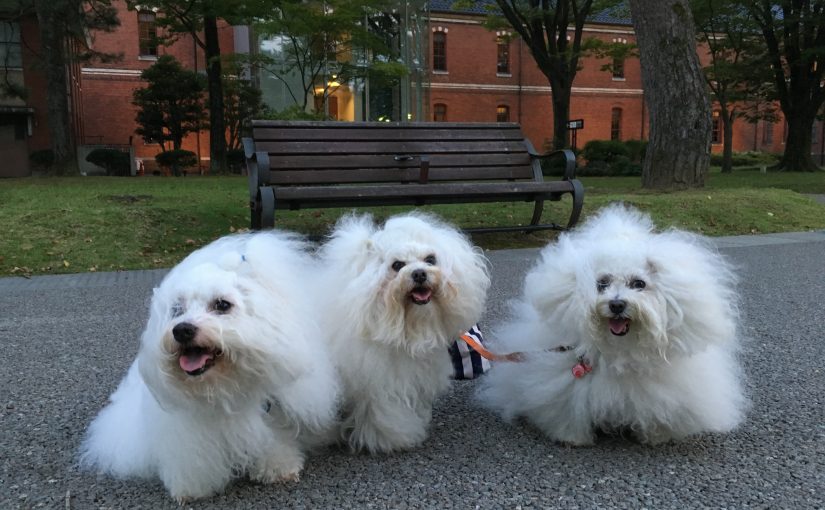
x,y
622,328
398,296
231,377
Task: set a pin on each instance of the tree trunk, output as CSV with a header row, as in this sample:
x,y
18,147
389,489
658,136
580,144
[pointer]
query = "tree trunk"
x,y
217,127
561,114
678,153
727,140
53,47
797,156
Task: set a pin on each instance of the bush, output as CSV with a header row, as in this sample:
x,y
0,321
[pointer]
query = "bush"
x,y
294,112
42,159
636,150
117,163
235,160
746,159
177,159
604,150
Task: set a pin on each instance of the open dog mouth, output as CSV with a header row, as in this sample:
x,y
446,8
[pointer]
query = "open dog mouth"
x,y
619,326
197,360
421,295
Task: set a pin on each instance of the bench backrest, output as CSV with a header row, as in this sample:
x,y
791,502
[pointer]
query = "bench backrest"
x,y
309,153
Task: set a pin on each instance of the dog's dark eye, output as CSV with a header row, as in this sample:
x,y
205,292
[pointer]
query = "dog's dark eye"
x,y
637,284
603,283
397,265
221,306
430,259
177,310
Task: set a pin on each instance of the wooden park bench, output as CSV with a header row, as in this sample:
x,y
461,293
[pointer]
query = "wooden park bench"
x,y
305,164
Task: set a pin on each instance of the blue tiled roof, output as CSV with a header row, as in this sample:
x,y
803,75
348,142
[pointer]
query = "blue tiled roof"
x,y
619,15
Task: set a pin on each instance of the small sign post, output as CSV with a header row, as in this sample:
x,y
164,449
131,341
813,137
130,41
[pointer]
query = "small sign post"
x,y
573,126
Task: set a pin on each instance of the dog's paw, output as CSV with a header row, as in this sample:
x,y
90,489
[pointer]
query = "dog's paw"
x,y
278,469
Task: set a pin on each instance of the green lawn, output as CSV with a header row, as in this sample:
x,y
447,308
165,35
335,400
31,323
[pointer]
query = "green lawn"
x,y
65,225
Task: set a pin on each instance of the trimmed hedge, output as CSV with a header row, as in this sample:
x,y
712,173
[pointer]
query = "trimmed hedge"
x,y
747,159
117,163
177,159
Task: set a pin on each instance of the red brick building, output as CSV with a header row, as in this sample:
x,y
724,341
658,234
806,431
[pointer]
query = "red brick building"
x,y
100,93
477,76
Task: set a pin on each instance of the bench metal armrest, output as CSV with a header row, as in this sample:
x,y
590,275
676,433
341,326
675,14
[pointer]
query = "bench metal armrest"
x,y
569,163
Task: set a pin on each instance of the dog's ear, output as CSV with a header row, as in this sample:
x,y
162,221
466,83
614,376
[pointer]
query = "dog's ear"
x,y
350,244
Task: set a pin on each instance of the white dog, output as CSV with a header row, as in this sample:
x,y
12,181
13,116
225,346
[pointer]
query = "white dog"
x,y
622,328
398,296
231,376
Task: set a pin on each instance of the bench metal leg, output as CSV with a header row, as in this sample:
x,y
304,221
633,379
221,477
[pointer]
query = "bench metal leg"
x,y
537,210
255,213
267,207
578,202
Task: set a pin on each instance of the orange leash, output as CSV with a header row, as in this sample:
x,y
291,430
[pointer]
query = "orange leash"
x,y
513,356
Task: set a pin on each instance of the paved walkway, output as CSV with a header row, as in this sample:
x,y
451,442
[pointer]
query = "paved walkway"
x,y
67,340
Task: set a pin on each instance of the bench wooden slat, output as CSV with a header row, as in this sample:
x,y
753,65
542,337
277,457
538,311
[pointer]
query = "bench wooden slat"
x,y
397,175
363,161
264,134
390,147
444,190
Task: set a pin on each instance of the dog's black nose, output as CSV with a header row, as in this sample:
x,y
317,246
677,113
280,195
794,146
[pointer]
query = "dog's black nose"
x,y
184,332
419,276
617,306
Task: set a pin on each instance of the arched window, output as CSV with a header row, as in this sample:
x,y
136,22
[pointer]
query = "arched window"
x,y
502,113
439,51
616,124
440,112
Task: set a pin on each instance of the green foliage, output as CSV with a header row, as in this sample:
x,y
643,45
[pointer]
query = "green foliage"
x,y
177,159
42,159
115,162
604,150
747,159
171,104
314,44
235,159
613,158
294,112
241,103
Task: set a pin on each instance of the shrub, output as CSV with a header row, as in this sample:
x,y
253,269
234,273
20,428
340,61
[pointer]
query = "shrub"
x,y
115,162
42,159
177,159
235,159
746,159
636,150
604,150
294,112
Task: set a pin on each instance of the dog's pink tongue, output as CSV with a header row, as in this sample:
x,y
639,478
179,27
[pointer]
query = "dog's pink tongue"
x,y
422,294
618,326
194,361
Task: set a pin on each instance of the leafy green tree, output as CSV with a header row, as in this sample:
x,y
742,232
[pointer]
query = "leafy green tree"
x,y
737,71
544,26
171,104
794,35
242,103
66,30
321,44
199,20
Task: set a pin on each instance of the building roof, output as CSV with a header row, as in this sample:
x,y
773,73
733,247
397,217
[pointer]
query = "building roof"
x,y
618,15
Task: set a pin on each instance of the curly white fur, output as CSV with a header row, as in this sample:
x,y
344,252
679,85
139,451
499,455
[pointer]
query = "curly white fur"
x,y
664,358
196,432
397,296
